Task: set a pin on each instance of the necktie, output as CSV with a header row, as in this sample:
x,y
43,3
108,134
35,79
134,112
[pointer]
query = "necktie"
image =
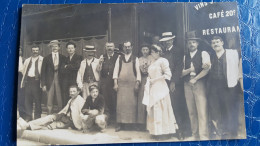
x,y
55,60
36,71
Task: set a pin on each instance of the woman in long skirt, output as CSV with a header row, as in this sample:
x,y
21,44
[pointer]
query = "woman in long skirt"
x,y
160,117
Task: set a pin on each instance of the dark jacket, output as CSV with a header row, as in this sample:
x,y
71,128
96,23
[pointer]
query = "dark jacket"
x,y
98,104
108,66
71,70
47,71
175,58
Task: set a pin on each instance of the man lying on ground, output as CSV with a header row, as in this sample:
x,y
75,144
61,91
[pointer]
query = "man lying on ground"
x,y
69,116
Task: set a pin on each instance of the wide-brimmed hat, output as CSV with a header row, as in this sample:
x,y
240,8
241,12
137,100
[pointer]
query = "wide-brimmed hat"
x,y
53,42
192,35
89,48
167,36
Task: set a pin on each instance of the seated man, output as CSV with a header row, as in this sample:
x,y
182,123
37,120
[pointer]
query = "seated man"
x,y
93,117
69,116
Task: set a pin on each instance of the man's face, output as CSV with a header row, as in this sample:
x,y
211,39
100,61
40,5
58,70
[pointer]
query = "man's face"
x,y
192,45
35,52
89,54
128,48
74,92
110,47
94,93
55,48
217,45
168,44
71,49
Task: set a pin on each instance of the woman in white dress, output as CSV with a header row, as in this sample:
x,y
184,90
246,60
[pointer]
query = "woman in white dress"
x,y
160,118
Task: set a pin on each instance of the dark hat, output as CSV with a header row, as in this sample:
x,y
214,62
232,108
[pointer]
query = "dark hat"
x,y
89,48
192,35
54,42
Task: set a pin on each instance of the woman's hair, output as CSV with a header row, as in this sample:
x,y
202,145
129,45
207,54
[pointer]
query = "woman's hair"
x,y
146,45
156,48
71,43
92,87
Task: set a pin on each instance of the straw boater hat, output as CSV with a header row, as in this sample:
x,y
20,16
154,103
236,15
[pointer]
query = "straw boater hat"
x,y
192,35
53,42
89,48
167,36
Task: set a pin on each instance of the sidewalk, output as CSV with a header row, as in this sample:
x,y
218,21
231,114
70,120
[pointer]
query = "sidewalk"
x,y
68,136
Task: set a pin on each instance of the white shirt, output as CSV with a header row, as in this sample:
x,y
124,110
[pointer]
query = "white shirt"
x,y
20,68
110,55
127,56
75,107
71,56
53,56
31,72
90,61
169,49
205,59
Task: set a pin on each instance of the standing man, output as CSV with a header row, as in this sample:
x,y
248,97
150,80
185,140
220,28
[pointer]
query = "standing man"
x,y
20,94
51,75
196,67
88,73
31,83
107,65
70,70
175,57
224,99
127,78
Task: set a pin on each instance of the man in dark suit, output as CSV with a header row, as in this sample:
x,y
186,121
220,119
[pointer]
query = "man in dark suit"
x,y
107,65
175,57
70,70
51,75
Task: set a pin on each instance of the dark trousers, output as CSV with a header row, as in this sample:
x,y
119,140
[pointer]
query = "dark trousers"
x,y
32,93
106,89
224,108
180,109
20,98
65,93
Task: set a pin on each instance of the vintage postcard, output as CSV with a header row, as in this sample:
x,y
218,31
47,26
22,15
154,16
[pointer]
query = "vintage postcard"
x,y
130,73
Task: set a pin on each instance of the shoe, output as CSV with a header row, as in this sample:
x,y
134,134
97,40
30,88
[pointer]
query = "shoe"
x,y
180,136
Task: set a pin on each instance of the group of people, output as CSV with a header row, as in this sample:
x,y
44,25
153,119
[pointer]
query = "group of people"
x,y
134,92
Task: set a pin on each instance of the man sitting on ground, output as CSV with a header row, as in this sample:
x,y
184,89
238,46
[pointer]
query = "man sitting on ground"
x,y
93,117
69,116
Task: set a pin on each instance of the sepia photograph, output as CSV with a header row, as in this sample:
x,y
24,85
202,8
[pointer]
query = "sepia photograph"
x,y
130,73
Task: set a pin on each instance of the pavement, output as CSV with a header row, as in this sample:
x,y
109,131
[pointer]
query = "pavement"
x,y
69,137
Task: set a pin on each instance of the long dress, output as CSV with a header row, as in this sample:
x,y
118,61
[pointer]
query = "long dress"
x,y
160,118
144,63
